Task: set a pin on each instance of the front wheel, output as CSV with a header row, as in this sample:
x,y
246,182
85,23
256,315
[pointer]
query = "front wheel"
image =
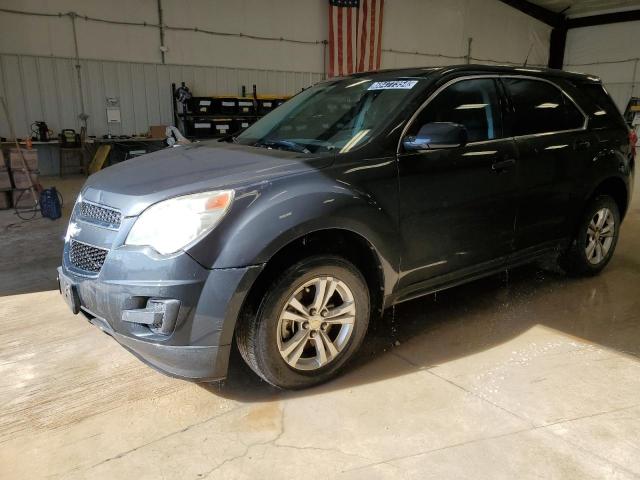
x,y
596,239
310,322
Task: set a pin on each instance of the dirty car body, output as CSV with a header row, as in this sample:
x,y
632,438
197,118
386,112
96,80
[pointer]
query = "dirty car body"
x,y
430,218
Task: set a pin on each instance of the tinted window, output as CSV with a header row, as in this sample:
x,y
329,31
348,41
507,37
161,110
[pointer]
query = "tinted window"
x,y
541,107
574,117
603,112
472,103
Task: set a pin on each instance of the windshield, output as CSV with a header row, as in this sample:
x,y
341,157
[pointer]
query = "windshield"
x,y
333,116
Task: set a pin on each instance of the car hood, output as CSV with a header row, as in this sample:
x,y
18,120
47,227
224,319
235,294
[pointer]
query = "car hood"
x,y
133,185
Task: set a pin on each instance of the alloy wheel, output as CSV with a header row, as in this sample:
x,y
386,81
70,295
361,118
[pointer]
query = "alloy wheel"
x,y
600,236
316,323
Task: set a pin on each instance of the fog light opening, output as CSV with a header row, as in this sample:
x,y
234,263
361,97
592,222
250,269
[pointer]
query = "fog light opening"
x,y
159,315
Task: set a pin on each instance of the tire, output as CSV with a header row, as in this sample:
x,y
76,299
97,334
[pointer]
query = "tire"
x,y
576,261
263,338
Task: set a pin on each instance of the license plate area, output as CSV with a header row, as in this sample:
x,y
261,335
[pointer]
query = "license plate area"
x,y
69,292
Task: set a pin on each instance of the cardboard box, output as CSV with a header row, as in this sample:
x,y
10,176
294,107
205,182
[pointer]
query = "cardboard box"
x,y
157,131
21,180
5,200
5,181
30,157
22,199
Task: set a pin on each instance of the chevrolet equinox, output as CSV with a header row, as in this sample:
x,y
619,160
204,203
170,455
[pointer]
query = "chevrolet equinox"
x,y
357,194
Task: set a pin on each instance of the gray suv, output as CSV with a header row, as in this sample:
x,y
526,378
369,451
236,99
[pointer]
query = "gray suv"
x,y
355,195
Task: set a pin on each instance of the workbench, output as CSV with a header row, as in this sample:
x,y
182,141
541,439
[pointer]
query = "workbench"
x,y
49,152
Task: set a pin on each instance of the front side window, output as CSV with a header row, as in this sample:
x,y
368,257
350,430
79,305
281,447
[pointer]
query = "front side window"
x,y
332,117
473,104
540,107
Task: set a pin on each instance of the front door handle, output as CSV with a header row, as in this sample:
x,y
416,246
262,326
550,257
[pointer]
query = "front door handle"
x,y
502,166
583,145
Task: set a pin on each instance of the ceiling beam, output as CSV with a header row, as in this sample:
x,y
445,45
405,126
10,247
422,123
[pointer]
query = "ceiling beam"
x,y
536,11
562,24
604,19
557,45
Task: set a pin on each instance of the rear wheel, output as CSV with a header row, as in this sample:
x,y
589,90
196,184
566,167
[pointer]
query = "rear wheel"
x,y
596,239
310,322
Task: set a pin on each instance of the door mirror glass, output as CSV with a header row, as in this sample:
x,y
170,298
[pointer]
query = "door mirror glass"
x,y
436,135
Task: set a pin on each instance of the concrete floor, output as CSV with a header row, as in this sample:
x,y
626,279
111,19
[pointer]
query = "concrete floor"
x,y
527,376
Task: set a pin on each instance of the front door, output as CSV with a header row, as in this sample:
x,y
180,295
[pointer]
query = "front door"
x,y
458,205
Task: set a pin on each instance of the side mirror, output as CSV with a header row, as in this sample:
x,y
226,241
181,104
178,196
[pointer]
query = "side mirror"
x,y
436,135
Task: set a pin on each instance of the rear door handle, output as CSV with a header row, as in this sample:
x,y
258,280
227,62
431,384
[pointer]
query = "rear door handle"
x,y
503,165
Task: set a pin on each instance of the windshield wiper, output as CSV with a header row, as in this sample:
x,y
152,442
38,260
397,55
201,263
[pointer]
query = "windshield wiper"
x,y
288,144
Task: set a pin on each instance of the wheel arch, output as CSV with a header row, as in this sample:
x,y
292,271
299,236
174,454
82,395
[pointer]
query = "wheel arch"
x,y
616,188
342,242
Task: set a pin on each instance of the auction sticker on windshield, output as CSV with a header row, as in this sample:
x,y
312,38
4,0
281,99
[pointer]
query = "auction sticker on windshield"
x,y
393,85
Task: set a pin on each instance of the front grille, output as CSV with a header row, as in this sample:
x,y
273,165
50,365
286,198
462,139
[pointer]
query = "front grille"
x,y
86,257
102,215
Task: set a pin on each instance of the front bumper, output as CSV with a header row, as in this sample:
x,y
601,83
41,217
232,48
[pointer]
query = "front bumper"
x,y
188,362
198,346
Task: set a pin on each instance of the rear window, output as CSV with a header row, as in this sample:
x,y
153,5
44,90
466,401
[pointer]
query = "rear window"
x,y
541,107
603,112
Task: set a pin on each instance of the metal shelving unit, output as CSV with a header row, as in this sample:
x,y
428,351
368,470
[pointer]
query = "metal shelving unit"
x,y
220,115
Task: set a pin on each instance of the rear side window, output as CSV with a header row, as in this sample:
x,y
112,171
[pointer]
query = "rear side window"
x,y
472,103
603,112
540,107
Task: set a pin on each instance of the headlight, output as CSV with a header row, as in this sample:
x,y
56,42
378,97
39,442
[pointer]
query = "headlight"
x,y
171,225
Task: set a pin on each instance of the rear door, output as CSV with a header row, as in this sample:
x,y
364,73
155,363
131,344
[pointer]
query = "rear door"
x,y
458,205
553,145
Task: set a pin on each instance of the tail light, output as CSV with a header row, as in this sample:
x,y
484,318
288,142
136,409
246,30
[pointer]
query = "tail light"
x,y
633,141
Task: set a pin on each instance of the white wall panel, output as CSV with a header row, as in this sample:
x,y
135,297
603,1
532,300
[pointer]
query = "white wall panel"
x,y
45,88
593,49
49,92
500,32
33,98
39,77
300,20
126,95
95,96
164,91
15,94
52,36
66,93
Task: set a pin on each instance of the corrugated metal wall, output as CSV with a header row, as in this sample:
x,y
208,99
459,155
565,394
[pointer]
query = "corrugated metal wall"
x,y
609,52
45,88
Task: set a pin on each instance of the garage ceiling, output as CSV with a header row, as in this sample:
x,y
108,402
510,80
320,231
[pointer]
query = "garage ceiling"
x,y
585,7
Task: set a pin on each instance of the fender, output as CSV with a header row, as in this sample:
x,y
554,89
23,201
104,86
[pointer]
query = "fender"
x,y
609,167
267,217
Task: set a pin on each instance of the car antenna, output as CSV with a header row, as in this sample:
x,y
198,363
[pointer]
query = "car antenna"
x,y
526,60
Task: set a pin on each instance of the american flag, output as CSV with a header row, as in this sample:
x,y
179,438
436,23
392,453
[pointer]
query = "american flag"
x,y
355,36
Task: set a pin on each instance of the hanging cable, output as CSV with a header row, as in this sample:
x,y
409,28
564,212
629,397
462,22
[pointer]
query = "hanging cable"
x,y
603,62
250,36
424,54
36,14
166,27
